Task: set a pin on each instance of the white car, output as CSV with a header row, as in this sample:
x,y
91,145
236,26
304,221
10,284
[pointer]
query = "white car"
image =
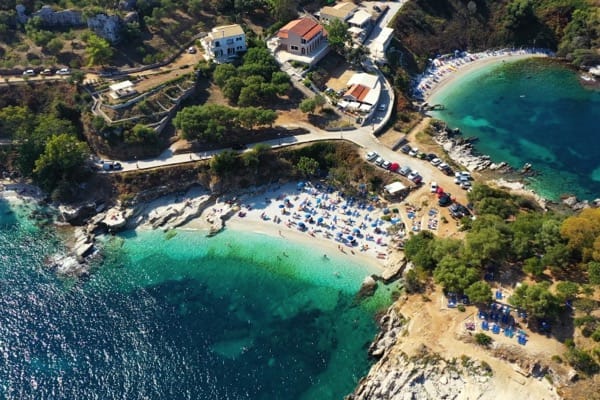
x,y
63,71
28,72
463,174
386,165
372,155
379,161
434,187
466,185
413,152
435,162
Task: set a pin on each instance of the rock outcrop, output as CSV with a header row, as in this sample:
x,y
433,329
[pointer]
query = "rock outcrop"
x,y
107,26
461,151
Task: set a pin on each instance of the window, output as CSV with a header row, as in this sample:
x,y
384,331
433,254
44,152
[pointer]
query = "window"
x,y
216,43
229,41
294,47
238,39
303,41
239,47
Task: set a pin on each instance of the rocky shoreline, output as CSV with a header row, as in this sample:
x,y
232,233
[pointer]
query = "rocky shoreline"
x,y
461,151
427,375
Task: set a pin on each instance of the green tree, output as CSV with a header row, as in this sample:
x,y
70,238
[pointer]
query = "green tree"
x,y
98,50
32,142
307,166
479,293
232,89
338,35
567,290
454,275
16,121
418,250
593,269
536,299
282,10
534,267
486,244
141,134
62,160
308,106
55,45
222,73
224,163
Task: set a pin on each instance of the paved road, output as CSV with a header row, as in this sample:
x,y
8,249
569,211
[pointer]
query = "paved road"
x,y
362,137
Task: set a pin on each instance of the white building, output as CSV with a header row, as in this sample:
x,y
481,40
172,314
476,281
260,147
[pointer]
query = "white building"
x,y
224,43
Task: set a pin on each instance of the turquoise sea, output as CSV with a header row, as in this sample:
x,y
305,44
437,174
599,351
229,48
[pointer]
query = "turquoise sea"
x,y
531,111
188,317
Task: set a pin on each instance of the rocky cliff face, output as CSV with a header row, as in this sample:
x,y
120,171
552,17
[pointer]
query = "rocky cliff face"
x,y
107,26
425,374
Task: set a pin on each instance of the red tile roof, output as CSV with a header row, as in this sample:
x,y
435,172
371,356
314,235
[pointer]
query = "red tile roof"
x,y
306,28
359,92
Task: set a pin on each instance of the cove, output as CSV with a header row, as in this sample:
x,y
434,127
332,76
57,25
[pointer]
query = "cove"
x,y
531,111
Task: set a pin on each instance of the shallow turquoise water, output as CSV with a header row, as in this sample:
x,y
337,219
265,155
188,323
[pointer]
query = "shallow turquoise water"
x,y
181,318
533,111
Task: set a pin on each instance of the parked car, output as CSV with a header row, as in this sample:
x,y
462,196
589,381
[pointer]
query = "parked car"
x,y
430,156
372,155
435,162
28,72
413,152
379,161
417,179
111,165
434,187
47,71
191,50
63,71
445,200
405,149
404,171
386,165
381,107
466,185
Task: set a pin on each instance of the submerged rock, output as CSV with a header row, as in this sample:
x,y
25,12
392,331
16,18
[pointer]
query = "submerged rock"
x,y
367,288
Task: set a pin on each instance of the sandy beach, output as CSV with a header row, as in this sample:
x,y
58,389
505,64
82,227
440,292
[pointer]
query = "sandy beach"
x,y
325,220
444,72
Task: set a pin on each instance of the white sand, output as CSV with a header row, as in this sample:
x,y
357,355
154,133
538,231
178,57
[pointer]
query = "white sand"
x,y
263,212
455,69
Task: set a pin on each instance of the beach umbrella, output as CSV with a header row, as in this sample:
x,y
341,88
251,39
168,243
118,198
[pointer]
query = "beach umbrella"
x,y
350,238
394,167
320,219
300,185
395,220
281,206
386,211
339,234
307,215
301,225
356,231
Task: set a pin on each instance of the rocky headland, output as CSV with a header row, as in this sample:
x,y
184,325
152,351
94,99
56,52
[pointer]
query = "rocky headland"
x,y
409,368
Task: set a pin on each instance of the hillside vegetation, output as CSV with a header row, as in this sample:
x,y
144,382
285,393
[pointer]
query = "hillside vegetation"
x,y
572,27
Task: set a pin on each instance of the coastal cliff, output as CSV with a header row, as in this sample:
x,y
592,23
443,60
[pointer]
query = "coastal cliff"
x,y
413,365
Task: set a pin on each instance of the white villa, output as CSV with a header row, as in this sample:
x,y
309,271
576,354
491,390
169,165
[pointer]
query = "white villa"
x,y
224,43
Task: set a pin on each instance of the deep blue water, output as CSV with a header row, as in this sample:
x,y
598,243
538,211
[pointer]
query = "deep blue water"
x,y
533,111
180,318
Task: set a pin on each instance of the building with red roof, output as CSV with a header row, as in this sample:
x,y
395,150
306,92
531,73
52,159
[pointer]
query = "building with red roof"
x,y
302,36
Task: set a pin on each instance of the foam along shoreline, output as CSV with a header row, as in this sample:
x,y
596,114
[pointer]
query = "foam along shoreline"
x,y
443,72
318,219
